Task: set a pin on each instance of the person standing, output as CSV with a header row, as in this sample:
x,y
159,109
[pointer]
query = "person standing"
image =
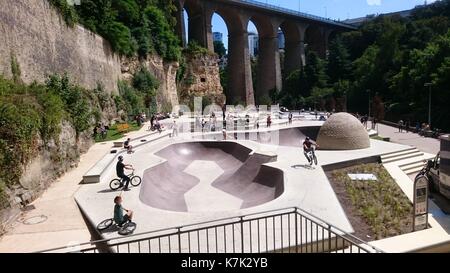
x,y
152,121
269,121
174,129
290,117
400,126
203,125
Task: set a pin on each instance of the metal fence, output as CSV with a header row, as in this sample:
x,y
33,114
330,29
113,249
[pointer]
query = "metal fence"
x,y
280,231
294,13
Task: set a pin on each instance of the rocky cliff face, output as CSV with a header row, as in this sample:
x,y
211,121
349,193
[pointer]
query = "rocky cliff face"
x,y
201,79
35,33
165,72
50,161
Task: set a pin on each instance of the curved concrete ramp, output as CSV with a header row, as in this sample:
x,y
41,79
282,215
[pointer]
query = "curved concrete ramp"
x,y
210,176
295,136
292,137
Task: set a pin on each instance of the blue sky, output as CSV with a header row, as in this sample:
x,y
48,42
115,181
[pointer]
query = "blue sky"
x,y
334,9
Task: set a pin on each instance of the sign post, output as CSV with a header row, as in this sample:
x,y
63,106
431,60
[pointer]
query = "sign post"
x,y
420,217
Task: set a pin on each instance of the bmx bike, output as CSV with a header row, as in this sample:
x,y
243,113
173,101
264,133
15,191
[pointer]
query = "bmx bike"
x,y
311,156
126,228
117,183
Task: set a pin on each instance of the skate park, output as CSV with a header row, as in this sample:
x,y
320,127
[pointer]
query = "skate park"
x,y
200,182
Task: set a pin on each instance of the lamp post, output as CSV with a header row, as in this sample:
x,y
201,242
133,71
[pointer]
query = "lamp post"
x,y
368,91
429,84
346,101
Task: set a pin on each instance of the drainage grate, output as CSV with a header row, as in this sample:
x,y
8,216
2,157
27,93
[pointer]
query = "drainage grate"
x,y
35,220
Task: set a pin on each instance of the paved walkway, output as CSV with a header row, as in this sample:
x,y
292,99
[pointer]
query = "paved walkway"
x,y
424,144
64,223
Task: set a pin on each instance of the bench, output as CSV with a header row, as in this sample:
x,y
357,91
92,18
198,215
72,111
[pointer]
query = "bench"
x,y
118,144
123,128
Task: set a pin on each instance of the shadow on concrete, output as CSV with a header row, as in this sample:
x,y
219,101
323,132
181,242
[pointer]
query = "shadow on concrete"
x,y
107,191
305,166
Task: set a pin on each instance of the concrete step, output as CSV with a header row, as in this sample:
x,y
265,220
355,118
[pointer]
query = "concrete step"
x,y
412,171
404,150
402,157
418,164
409,151
409,161
412,163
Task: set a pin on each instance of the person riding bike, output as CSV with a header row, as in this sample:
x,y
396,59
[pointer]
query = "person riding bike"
x,y
308,148
120,171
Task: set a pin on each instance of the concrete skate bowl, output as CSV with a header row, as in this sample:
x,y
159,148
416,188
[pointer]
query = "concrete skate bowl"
x,y
210,176
285,137
295,136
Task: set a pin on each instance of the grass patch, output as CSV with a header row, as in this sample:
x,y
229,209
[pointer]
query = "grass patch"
x,y
380,138
377,138
114,134
382,204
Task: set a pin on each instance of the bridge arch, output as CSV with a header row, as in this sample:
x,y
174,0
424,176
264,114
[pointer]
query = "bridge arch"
x,y
268,76
240,85
294,50
196,28
314,40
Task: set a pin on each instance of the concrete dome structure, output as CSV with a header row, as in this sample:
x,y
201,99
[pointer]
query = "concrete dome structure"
x,y
343,131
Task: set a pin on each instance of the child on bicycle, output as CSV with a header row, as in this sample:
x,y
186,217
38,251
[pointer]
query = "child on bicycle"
x,y
307,148
119,217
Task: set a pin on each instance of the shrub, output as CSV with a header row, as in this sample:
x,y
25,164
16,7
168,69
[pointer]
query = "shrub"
x,y
15,69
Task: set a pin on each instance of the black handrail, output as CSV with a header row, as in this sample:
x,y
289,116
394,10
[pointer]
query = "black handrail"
x,y
223,223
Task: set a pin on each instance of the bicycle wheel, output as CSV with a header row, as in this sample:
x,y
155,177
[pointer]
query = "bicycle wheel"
x,y
105,224
136,181
115,184
315,159
127,228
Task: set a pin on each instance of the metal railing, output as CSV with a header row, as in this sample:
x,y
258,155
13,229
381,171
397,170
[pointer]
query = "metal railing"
x,y
291,230
293,12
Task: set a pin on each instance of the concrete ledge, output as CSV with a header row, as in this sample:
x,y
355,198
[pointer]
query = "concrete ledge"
x,y
345,164
95,174
118,144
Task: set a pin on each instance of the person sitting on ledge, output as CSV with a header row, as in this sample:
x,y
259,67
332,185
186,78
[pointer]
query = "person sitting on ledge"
x,y
127,146
119,218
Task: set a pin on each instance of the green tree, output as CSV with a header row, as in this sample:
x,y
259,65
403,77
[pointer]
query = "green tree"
x,y
339,65
219,48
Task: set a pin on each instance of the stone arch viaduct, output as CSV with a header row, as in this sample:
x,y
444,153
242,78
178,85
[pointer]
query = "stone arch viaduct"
x,y
300,30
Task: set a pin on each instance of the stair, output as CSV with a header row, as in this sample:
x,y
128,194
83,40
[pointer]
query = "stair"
x,y
409,160
415,166
401,155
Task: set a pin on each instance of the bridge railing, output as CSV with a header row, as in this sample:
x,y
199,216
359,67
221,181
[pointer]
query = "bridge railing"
x,y
291,230
293,12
